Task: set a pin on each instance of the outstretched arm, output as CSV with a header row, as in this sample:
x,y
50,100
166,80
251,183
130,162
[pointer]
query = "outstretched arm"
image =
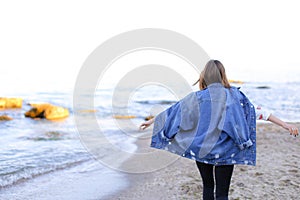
x,y
263,114
290,127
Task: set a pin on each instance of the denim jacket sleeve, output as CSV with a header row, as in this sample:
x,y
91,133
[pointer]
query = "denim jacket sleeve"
x,y
166,125
241,114
172,121
182,117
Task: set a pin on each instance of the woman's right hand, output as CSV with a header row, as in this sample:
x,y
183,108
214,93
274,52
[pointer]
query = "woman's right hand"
x,y
146,124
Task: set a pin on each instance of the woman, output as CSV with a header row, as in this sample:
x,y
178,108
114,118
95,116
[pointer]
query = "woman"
x,y
215,126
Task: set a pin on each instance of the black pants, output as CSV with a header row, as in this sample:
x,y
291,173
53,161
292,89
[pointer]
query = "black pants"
x,y
223,175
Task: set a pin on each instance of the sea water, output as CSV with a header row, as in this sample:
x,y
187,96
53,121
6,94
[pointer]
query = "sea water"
x,y
30,148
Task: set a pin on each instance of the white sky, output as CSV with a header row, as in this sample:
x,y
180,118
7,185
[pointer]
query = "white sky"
x,y
44,43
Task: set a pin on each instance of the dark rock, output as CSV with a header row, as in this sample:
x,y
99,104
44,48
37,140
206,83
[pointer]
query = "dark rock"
x,y
47,111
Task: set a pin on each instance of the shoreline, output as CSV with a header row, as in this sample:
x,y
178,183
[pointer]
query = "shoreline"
x,y
151,185
275,176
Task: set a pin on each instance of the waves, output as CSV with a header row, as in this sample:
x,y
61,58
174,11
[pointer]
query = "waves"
x,y
154,102
17,174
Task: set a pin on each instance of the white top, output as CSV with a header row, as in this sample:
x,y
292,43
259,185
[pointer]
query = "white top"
x,y
262,114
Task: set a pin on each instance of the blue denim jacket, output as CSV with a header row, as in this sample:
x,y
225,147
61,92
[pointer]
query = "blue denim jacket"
x,y
216,126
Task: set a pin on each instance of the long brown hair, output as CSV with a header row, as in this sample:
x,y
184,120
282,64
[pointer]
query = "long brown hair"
x,y
213,72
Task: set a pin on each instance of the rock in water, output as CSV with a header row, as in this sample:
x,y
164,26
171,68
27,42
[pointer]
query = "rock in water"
x,y
56,112
124,116
47,111
5,118
37,111
263,87
10,103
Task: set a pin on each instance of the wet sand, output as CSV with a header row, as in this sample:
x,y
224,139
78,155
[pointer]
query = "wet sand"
x,y
86,181
276,175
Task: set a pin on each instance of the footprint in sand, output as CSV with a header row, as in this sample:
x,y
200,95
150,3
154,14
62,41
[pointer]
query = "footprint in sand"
x,y
293,171
258,174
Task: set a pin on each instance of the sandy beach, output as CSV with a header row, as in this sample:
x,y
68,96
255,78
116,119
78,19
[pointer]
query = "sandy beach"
x,y
276,175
